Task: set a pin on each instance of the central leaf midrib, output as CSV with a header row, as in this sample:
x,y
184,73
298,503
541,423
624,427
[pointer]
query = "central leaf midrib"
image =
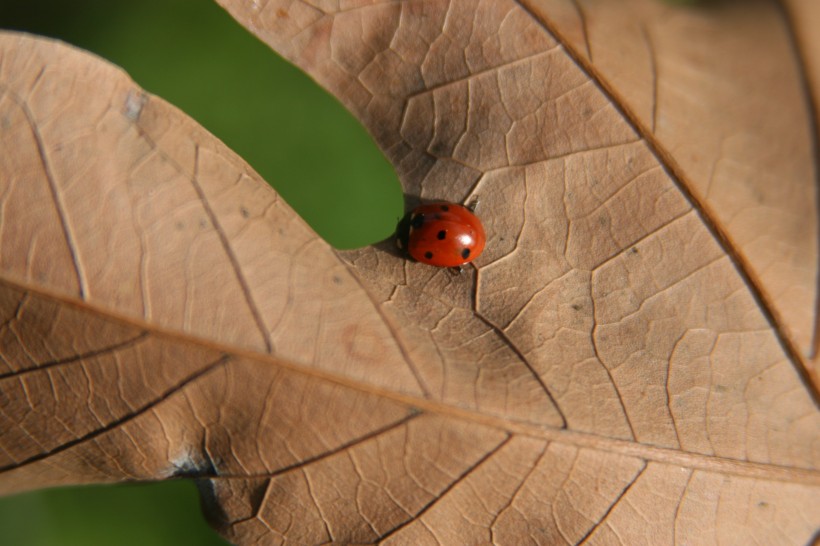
x,y
769,471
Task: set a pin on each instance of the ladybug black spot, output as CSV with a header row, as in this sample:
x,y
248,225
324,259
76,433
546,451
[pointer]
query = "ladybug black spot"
x,y
417,221
465,253
445,208
441,235
428,254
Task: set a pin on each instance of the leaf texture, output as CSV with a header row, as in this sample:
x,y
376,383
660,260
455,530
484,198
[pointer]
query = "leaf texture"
x,y
717,111
621,365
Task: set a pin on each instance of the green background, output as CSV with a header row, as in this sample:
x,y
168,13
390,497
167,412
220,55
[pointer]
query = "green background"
x,y
191,53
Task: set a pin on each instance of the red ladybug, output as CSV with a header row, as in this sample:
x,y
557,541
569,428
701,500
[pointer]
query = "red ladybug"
x,y
442,234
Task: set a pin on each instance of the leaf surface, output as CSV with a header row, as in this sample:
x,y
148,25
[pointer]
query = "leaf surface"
x,y
614,369
716,110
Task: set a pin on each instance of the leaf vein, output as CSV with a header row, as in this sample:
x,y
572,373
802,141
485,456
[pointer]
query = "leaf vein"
x,y
449,488
223,360
246,291
55,192
614,504
113,348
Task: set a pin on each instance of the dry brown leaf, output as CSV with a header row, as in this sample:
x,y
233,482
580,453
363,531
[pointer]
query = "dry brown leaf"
x,y
727,114
623,365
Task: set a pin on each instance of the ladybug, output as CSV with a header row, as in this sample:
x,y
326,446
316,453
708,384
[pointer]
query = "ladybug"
x,y
441,234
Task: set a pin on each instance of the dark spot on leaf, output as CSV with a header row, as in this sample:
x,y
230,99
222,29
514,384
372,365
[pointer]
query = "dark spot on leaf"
x,y
763,504
445,208
428,254
465,253
437,216
633,250
576,306
337,279
440,148
244,212
180,226
417,221
441,235
210,503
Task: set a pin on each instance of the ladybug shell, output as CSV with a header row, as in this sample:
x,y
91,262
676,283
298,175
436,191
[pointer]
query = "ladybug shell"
x,y
445,235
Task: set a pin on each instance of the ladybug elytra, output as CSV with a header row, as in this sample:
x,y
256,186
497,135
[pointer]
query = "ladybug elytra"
x,y
442,234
